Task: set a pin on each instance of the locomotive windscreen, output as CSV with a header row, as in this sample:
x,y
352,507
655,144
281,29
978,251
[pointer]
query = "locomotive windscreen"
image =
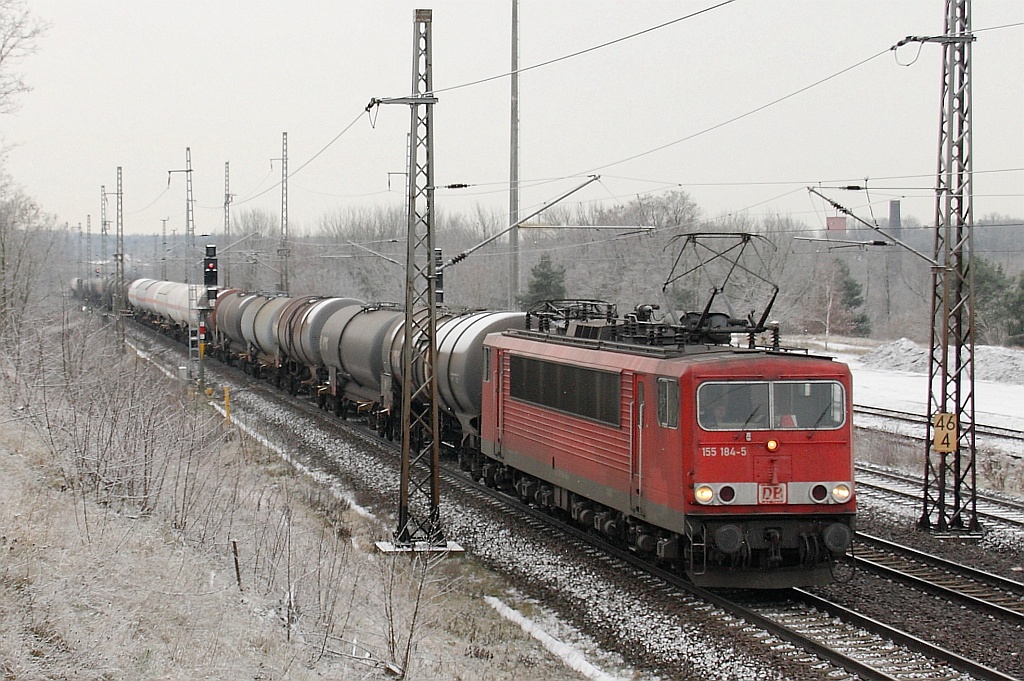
x,y
759,405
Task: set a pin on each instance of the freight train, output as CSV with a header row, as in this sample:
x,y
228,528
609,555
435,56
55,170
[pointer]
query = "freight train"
x,y
732,464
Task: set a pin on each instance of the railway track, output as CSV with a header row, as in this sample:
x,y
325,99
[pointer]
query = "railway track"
x,y
921,420
953,581
833,641
907,490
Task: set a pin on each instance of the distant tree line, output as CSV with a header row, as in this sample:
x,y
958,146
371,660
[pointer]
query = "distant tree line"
x,y
624,254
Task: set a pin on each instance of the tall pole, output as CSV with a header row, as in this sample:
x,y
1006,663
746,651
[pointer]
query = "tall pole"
x,y
225,270
284,251
513,171
163,257
88,247
103,231
419,504
83,267
950,497
190,226
119,282
197,309
195,365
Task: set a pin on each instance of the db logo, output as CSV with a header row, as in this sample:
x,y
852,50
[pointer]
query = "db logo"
x,y
771,494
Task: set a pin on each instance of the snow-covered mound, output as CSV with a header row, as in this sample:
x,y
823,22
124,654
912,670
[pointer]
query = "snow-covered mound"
x,y
991,362
901,355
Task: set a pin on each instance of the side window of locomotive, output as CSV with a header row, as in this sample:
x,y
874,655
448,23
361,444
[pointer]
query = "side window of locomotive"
x,y
808,405
733,405
576,390
487,365
668,402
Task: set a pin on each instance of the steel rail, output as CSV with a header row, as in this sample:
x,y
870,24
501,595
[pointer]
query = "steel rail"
x,y
891,560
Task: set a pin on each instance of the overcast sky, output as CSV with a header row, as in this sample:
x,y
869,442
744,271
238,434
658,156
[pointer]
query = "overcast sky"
x,y
132,84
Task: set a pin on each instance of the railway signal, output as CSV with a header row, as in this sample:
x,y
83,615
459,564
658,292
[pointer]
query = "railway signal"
x,y
210,266
210,274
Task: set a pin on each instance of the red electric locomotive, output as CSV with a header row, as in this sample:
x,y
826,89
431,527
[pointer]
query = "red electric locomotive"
x,y
734,464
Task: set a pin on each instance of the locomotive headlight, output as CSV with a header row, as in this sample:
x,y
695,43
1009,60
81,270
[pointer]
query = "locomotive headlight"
x,y
704,494
841,493
772,445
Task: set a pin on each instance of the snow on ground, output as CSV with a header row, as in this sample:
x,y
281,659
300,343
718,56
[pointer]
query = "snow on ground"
x,y
895,376
572,657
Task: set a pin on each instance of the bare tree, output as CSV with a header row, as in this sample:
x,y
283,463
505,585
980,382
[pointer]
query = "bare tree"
x,y
26,238
19,32
254,260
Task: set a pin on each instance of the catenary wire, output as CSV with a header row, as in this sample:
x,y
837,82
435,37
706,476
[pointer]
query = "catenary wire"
x,y
734,118
310,160
585,51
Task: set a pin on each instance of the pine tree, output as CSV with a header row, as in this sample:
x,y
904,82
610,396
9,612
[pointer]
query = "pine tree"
x,y
547,282
852,298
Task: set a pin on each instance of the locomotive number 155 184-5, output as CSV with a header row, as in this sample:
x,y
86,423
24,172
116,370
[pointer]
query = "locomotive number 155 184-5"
x,y
723,450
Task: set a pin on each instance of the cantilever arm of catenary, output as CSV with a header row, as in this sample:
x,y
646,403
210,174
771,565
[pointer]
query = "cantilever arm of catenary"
x,y
462,256
847,211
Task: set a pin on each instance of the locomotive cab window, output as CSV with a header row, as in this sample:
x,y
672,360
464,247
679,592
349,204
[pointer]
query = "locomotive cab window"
x,y
808,404
759,405
668,402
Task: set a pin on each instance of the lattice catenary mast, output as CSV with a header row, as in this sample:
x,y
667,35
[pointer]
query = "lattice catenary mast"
x,y
119,280
419,504
196,302
225,271
284,251
419,518
950,476
103,231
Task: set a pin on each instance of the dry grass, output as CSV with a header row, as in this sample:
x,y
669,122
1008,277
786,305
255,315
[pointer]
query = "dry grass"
x,y
122,506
